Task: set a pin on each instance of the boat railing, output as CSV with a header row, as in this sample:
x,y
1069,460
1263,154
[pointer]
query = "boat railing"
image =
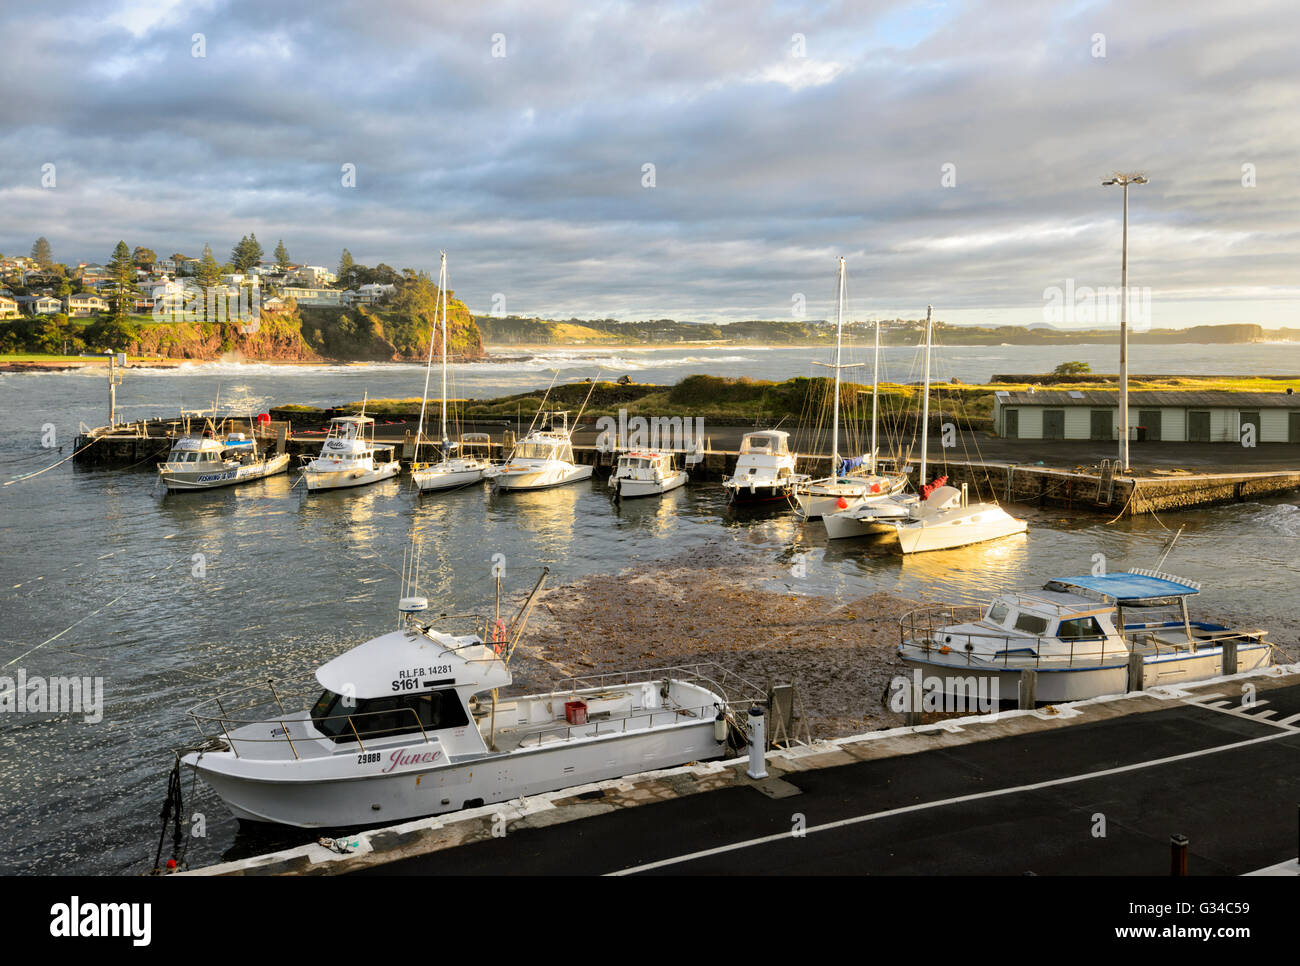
x,y
930,629
592,729
232,706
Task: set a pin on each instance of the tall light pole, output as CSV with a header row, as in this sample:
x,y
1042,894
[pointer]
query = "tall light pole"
x,y
1125,180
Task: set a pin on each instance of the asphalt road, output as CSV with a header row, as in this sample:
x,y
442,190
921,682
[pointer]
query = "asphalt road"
x,y
1227,777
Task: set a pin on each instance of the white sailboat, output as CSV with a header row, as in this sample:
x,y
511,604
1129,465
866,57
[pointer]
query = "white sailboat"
x,y
845,487
450,471
941,517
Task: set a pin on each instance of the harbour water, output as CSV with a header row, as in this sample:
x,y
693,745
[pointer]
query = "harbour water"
x,y
167,599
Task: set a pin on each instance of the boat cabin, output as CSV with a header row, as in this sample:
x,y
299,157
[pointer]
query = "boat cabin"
x,y
772,442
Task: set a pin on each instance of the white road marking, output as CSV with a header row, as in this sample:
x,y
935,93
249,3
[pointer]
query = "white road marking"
x,y
940,803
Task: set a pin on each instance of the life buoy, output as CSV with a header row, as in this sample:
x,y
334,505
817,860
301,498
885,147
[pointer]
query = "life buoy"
x,y
842,503
498,635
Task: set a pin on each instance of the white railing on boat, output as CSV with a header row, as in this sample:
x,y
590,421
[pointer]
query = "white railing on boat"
x,y
929,628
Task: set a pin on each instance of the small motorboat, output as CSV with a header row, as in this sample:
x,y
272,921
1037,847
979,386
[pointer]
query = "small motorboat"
x,y
350,457
765,469
542,459
645,473
1085,636
209,461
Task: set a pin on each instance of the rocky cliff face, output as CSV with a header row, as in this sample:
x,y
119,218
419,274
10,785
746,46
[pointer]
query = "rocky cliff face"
x,y
277,338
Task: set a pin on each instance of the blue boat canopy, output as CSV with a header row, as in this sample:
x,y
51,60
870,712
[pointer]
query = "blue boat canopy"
x,y
848,463
1130,587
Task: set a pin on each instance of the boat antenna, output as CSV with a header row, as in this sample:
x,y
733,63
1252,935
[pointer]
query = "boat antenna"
x,y
925,403
1168,547
875,396
542,405
442,296
583,408
521,619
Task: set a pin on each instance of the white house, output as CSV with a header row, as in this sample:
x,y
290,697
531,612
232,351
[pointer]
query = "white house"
x,y
1210,416
39,304
80,306
8,307
314,276
316,297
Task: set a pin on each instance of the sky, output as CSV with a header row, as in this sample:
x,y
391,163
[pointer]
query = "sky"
x,y
952,152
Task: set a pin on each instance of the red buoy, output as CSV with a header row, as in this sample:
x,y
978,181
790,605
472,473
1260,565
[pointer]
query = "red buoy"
x,y
842,503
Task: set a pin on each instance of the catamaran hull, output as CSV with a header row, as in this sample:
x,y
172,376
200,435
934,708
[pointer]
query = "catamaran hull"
x,y
540,479
373,799
627,488
841,526
431,481
920,537
823,501
1056,685
346,479
186,482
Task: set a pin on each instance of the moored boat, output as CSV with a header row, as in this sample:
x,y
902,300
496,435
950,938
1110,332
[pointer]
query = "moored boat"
x,y
542,459
350,457
1085,636
209,461
645,473
765,469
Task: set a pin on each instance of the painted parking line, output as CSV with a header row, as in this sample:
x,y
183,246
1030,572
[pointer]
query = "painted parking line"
x,y
943,802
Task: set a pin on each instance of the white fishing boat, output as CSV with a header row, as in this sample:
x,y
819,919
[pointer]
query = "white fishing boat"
x,y
1085,636
459,464
940,517
645,473
543,458
350,457
765,469
852,481
210,460
411,724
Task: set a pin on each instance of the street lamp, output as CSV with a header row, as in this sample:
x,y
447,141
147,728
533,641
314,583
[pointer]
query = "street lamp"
x,y
1125,180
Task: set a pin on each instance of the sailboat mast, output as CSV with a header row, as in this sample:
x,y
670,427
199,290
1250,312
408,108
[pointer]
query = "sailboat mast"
x,y
428,368
442,297
875,395
835,418
925,404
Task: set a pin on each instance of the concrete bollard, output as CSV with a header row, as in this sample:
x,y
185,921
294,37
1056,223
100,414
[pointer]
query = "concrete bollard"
x,y
757,744
1229,657
1028,689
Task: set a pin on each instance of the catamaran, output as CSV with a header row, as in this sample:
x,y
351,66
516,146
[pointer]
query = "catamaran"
x,y
1085,636
765,469
458,465
210,460
940,517
645,473
411,723
851,481
350,457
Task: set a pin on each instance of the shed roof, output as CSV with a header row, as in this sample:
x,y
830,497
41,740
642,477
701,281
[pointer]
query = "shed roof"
x,y
1152,398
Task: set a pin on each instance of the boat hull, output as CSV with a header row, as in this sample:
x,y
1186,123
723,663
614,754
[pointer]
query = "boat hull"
x,y
922,536
629,488
347,479
189,482
1059,684
541,478
415,793
434,479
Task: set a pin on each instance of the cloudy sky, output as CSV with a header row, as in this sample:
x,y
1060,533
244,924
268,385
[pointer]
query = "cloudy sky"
x,y
517,135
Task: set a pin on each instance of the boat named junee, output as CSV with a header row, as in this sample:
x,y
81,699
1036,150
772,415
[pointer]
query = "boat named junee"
x,y
410,724
1084,636
210,460
350,457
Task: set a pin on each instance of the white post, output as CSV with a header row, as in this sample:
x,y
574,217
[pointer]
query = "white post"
x,y
925,403
875,395
835,418
757,744
1123,343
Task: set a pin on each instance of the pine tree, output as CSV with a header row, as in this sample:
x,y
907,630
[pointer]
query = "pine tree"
x,y
121,269
252,252
282,256
41,254
209,273
345,263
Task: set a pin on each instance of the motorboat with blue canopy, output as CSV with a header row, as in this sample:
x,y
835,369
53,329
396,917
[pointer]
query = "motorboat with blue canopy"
x,y
1085,636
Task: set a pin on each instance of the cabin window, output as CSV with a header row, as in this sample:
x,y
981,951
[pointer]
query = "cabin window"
x,y
387,716
998,613
1079,629
1031,623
